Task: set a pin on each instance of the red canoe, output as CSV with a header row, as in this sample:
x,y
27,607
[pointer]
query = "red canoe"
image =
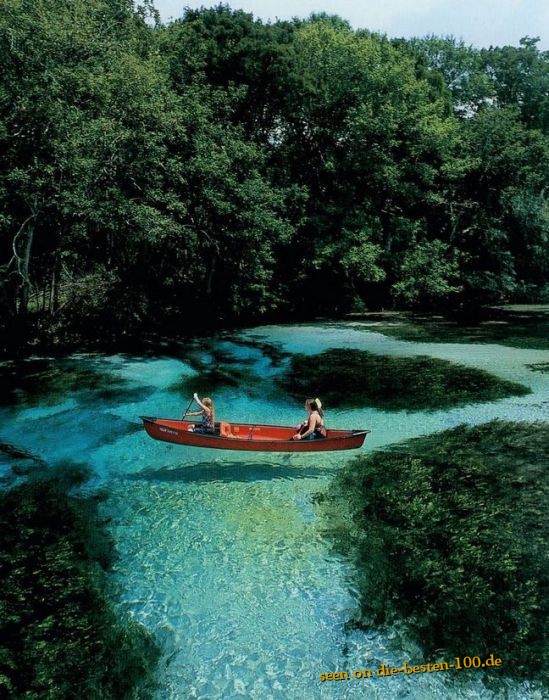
x,y
248,436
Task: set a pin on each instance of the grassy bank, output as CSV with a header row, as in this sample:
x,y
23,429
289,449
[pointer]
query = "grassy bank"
x,y
61,637
343,377
449,535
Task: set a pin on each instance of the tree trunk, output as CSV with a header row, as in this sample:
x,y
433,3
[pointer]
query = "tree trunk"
x,y
210,277
24,271
54,291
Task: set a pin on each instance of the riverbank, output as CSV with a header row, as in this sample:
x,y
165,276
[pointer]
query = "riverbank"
x,y
513,325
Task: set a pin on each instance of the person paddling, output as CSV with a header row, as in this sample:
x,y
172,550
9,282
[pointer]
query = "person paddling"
x,y
208,415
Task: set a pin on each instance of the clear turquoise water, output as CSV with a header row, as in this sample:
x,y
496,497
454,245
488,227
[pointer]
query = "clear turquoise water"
x,y
221,555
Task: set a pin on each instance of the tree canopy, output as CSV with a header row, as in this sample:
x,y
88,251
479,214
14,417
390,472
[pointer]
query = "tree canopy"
x,y
219,169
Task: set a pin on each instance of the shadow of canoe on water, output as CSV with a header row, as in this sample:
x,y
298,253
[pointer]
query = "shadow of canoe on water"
x,y
232,471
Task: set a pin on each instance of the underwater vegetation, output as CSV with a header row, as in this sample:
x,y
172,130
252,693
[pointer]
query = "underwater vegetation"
x,y
449,535
60,635
46,381
343,377
539,367
523,328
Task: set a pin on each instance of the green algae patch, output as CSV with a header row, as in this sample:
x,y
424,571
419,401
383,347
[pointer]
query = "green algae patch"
x,y
540,367
47,382
448,538
218,373
60,635
517,327
209,381
343,377
272,351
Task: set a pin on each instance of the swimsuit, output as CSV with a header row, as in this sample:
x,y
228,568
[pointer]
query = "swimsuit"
x,y
206,425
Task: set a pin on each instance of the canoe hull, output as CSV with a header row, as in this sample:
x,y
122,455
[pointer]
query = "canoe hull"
x,y
249,437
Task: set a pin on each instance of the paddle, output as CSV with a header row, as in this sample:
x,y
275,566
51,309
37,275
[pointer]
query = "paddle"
x,y
187,409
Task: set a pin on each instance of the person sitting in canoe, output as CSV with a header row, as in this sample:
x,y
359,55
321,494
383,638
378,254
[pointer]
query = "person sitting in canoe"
x,y
312,428
208,415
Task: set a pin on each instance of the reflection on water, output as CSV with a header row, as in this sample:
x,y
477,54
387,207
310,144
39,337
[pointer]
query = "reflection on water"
x,y
221,554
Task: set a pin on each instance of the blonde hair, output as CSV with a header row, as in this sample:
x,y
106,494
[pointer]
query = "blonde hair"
x,y
315,405
209,403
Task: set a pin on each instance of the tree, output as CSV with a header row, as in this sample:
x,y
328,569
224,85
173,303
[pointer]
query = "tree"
x,y
428,274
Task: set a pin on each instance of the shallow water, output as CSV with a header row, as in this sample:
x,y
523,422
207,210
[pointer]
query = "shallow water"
x,y
221,554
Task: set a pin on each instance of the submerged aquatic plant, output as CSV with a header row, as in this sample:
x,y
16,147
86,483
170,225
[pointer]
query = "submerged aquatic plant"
x,y
60,636
539,367
345,377
524,328
449,535
46,381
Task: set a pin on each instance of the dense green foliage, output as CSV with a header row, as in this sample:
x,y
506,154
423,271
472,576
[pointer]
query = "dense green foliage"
x,y
220,170
343,377
449,534
60,635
